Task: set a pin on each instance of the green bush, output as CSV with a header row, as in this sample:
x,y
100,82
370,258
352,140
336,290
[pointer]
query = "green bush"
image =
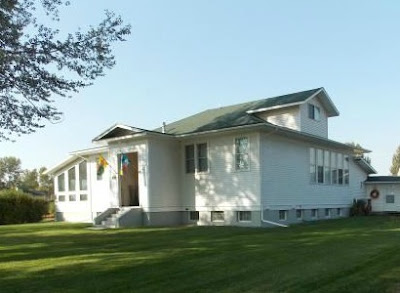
x,y
17,207
360,207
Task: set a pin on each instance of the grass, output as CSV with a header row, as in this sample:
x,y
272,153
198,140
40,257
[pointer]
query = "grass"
x,y
347,255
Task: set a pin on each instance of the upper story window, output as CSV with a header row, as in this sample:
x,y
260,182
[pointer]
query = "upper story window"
x,y
83,175
61,182
314,112
202,159
71,179
189,158
242,153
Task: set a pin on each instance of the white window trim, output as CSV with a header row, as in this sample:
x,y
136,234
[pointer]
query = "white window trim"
x,y
196,161
244,221
301,214
248,153
285,213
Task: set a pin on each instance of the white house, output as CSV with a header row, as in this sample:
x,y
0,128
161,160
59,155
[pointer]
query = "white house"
x,y
261,163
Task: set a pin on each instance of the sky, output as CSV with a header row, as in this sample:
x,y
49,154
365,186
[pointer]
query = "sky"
x,y
185,56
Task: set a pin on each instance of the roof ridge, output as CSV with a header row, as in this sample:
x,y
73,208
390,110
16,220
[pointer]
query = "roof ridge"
x,y
262,99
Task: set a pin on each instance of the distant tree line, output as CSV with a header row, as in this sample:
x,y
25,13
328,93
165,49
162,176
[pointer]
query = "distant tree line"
x,y
34,182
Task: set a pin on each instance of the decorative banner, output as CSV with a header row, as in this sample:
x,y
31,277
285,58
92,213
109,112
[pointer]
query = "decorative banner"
x,y
101,165
124,164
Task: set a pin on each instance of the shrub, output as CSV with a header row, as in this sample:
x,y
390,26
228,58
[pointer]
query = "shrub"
x,y
17,207
360,207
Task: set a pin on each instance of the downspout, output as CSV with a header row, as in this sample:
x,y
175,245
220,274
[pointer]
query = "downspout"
x,y
262,209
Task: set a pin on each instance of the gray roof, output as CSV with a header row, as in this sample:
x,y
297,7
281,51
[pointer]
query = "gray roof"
x,y
383,179
235,115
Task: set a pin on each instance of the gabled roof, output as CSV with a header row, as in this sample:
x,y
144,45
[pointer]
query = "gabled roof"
x,y
241,114
383,179
118,130
363,164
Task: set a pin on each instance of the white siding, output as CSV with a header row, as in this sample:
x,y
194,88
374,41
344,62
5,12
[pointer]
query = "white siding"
x,y
164,171
222,187
286,180
319,128
379,204
287,117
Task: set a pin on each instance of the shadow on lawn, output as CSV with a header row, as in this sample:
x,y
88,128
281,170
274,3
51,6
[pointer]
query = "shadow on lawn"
x,y
72,259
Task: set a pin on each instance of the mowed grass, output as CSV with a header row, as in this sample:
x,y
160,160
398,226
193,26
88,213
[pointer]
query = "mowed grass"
x,y
347,255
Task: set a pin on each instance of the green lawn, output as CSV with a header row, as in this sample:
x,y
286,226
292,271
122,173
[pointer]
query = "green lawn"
x,y
347,255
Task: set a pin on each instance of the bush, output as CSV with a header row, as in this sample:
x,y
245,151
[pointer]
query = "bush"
x,y
360,207
17,207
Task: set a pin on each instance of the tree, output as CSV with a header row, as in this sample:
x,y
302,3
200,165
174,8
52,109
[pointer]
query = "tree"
x,y
10,171
359,151
46,183
394,169
29,180
34,65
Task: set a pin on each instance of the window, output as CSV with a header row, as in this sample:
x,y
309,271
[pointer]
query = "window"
x,y
390,198
327,169
327,213
314,213
83,197
72,197
312,166
320,166
83,175
339,212
282,215
340,168
61,182
346,170
334,168
194,216
189,158
71,179
217,216
299,214
244,216
314,112
202,160
61,198
242,153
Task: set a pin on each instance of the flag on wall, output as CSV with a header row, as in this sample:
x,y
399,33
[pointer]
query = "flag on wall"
x,y
101,165
124,164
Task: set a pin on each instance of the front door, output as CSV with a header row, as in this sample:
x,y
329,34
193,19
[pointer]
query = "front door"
x,y
128,179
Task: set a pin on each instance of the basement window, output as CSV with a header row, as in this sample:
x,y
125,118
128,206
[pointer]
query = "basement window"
x,y
194,216
314,213
244,216
299,214
282,215
217,216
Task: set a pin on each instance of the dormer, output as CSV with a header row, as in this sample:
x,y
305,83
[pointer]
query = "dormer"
x,y
305,111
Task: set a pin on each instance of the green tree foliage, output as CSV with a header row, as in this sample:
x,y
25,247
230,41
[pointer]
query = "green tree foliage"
x,y
359,151
39,63
17,207
10,172
29,180
394,169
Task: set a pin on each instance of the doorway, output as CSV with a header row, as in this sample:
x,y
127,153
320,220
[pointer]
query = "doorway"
x,y
129,179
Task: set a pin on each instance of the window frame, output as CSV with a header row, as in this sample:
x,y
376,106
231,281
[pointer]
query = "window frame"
x,y
82,195
328,213
64,182
214,220
242,218
187,169
69,178
314,112
299,216
72,195
284,213
237,154
314,213
196,218
198,158
392,196
80,181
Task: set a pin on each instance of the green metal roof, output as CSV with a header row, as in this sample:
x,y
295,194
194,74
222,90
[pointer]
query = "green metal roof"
x,y
231,116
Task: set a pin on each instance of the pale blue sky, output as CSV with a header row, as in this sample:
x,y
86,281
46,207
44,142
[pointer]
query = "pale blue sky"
x,y
186,56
